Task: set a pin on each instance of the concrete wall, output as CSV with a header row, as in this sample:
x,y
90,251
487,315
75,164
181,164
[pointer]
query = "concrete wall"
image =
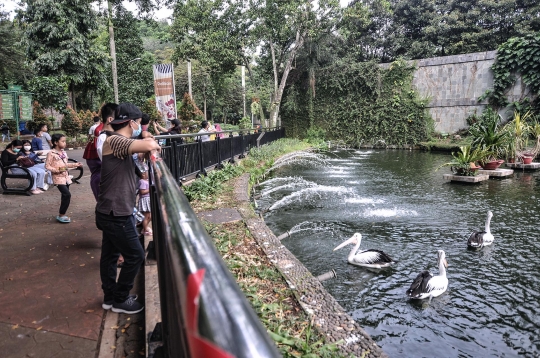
x,y
454,84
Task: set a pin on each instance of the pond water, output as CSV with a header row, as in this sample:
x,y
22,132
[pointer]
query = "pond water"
x,y
401,205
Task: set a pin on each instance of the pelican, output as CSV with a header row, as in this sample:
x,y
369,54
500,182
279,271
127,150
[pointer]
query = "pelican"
x,y
479,239
426,285
366,258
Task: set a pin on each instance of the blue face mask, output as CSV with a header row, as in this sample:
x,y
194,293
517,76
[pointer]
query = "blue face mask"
x,y
137,132
16,150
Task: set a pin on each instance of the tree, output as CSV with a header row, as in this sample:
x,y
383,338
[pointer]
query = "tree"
x,y
50,92
59,34
135,77
71,123
12,69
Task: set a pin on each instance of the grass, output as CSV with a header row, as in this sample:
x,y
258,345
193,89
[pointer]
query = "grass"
x,y
445,144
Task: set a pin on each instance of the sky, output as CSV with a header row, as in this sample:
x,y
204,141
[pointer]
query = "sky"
x,y
164,13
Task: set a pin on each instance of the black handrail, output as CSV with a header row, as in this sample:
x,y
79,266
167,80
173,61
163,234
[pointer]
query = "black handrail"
x,y
188,160
204,313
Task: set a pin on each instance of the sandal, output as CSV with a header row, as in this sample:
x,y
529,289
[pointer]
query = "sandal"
x,y
63,219
36,192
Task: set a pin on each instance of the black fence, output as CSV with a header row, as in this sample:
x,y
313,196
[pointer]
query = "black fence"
x,y
203,311
187,160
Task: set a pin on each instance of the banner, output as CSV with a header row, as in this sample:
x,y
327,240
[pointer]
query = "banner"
x,y
164,90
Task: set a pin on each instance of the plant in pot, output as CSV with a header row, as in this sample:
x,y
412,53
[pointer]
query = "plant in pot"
x,y
489,136
463,162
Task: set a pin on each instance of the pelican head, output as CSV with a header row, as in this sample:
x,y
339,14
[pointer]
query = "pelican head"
x,y
441,257
490,214
354,240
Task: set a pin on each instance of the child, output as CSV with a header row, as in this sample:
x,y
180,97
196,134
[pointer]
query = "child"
x,y
57,164
144,202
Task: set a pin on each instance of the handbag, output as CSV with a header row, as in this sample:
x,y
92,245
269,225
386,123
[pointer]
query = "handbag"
x,y
26,162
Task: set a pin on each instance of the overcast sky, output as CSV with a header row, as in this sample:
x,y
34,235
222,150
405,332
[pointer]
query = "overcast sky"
x,y
11,5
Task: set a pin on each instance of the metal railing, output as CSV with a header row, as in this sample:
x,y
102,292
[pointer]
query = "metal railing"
x,y
203,311
187,160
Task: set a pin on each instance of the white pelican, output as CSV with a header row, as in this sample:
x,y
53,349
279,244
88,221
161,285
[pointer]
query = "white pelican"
x,y
479,239
366,258
426,285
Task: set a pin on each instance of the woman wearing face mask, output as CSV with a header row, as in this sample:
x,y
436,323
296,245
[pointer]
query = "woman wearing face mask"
x,y
12,156
39,165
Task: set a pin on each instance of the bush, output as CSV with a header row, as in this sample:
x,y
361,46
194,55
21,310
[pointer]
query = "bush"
x,y
86,119
245,123
315,135
71,123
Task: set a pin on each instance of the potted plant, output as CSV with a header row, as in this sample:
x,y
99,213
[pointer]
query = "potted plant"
x,y
463,162
490,137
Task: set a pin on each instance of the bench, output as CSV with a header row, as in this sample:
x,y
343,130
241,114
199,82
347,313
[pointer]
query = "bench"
x,y
7,174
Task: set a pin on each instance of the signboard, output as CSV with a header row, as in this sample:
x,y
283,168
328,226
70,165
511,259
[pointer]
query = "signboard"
x,y
6,106
25,107
164,90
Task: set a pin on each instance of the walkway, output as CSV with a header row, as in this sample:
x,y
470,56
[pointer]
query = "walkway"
x,y
50,296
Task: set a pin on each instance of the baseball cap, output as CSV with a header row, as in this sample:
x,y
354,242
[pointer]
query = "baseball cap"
x,y
125,112
175,122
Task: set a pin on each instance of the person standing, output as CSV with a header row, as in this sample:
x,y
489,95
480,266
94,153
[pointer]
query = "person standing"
x,y
57,163
5,132
114,209
45,137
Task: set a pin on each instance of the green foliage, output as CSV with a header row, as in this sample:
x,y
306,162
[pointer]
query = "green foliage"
x,y
50,92
87,120
488,135
315,135
149,107
134,65
245,123
463,161
12,64
59,35
519,55
189,110
205,187
362,103
71,123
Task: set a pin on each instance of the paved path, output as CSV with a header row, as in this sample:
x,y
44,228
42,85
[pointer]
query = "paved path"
x,y
50,296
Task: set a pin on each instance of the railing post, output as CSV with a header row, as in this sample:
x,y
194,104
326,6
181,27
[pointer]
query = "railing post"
x,y
231,159
202,171
243,145
218,149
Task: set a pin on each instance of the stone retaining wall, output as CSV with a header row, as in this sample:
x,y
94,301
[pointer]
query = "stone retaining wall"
x,y
454,83
328,316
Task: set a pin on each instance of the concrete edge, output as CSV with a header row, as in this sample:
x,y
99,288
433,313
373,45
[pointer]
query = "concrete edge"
x,y
152,306
107,345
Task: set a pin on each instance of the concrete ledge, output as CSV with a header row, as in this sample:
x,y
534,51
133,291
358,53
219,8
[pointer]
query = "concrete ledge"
x,y
466,179
532,166
497,173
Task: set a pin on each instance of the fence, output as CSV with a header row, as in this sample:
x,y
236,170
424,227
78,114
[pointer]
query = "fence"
x,y
203,311
187,160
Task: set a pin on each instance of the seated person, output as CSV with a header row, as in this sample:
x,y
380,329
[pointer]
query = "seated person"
x,y
11,156
205,128
37,144
39,165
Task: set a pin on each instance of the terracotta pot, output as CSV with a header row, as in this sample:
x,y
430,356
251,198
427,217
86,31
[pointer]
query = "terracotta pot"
x,y
527,159
492,165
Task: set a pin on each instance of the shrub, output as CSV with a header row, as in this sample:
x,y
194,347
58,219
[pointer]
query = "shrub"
x,y
86,119
71,123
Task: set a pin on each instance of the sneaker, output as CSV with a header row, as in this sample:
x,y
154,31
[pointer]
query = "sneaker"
x,y
129,306
107,305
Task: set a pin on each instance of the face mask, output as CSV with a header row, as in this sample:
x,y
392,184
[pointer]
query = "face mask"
x,y
137,132
16,150
27,147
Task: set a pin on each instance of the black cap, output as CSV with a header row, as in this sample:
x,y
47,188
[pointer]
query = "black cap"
x,y
126,112
176,122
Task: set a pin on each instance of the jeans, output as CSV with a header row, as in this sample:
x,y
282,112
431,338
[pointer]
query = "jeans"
x,y
65,200
119,237
36,173
95,168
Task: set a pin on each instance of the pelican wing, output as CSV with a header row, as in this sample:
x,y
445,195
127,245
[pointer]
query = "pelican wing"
x,y
437,283
420,284
370,257
476,239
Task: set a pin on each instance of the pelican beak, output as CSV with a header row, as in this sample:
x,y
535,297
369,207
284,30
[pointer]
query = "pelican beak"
x,y
445,263
345,243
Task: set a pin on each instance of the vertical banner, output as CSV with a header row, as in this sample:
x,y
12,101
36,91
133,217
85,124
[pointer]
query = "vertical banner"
x,y
164,90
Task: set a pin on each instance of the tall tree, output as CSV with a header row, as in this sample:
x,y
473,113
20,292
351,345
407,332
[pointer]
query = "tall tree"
x,y
59,34
135,77
12,69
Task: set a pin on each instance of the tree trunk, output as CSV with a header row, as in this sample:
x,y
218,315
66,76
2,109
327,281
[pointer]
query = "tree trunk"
x,y
279,92
113,54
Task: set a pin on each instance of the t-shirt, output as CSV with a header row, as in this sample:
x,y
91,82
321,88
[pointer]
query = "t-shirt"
x,y
204,138
93,128
45,139
144,185
119,183
99,144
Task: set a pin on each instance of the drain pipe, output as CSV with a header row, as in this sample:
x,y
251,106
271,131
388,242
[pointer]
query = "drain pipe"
x,y
327,276
285,235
